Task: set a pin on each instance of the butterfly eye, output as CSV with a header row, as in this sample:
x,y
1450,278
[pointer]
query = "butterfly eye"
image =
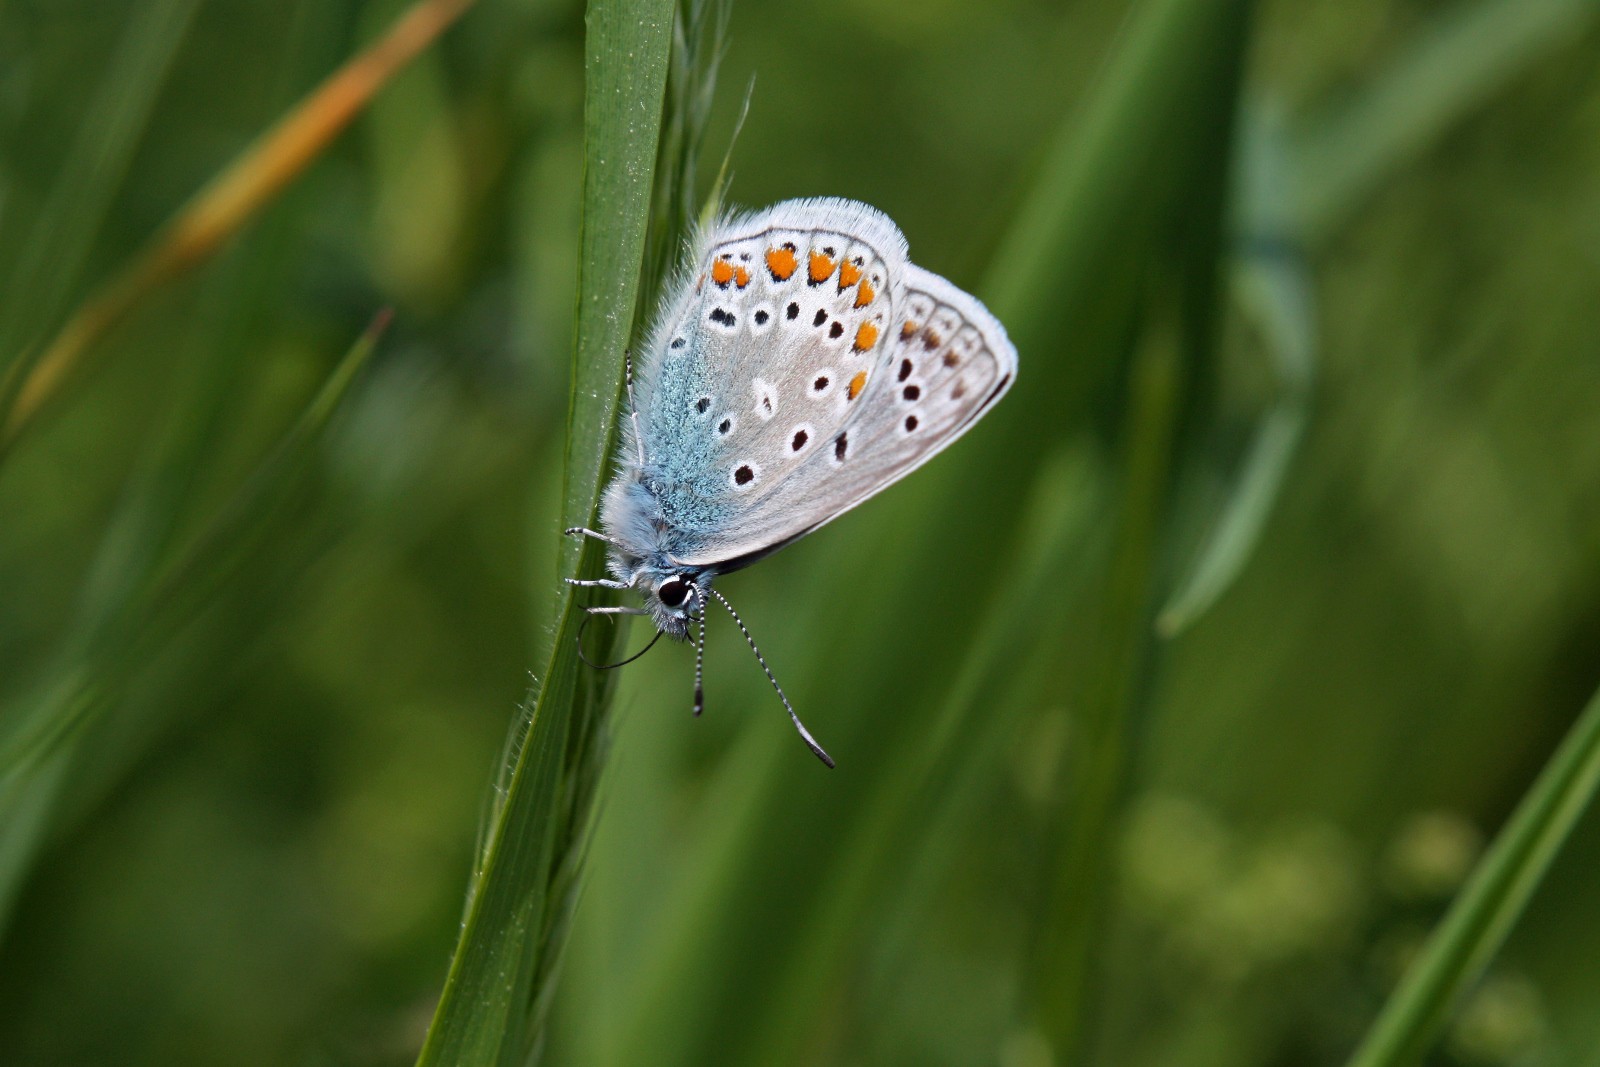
x,y
673,591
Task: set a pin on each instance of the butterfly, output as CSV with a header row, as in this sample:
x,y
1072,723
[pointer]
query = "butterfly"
x,y
800,364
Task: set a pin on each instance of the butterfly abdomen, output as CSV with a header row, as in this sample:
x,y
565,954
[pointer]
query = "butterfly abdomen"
x,y
638,512
632,516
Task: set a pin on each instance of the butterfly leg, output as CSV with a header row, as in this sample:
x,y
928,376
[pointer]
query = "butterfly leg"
x,y
584,531
592,612
598,583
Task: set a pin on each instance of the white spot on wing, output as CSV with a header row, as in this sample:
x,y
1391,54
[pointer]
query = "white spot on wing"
x,y
766,399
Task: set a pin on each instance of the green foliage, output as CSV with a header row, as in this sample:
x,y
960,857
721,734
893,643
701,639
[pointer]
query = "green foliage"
x,y
1172,707
1491,901
526,880
48,271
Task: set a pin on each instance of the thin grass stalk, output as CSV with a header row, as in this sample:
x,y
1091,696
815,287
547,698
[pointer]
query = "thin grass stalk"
x,y
1488,906
522,894
52,255
700,35
225,206
123,637
176,587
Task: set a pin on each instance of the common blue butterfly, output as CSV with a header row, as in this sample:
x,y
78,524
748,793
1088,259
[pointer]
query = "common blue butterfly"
x,y
800,364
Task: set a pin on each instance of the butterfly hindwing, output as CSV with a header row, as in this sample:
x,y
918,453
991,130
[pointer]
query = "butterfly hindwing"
x,y
946,361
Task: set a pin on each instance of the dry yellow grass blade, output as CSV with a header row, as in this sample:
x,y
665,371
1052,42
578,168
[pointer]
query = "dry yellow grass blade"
x,y
223,207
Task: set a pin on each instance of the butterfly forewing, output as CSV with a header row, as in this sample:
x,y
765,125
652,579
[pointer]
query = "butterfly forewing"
x,y
766,359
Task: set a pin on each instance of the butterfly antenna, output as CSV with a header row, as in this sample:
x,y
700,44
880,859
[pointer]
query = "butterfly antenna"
x,y
816,749
700,658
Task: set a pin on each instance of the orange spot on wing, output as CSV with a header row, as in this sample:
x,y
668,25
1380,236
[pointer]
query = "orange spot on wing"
x,y
821,267
909,330
866,337
858,383
722,272
781,262
931,340
741,277
849,273
864,295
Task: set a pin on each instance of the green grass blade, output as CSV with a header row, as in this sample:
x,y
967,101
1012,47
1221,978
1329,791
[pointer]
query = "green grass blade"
x,y
1487,907
125,626
1466,57
1180,65
1107,165
1112,695
214,214
521,896
28,802
1270,284
1228,547
55,252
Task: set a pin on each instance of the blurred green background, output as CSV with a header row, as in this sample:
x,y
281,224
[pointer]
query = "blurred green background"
x,y
246,835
